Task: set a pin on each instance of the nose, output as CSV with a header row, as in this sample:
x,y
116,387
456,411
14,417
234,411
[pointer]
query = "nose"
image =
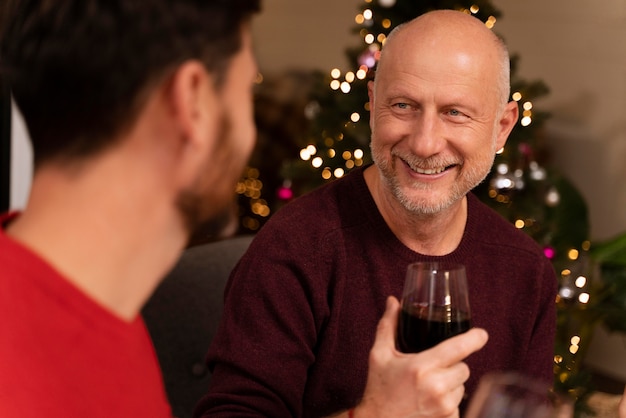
x,y
426,138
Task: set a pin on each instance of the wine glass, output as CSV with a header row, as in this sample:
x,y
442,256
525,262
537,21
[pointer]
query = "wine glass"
x,y
435,305
513,395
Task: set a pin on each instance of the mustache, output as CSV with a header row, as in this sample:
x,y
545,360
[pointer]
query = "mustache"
x,y
434,162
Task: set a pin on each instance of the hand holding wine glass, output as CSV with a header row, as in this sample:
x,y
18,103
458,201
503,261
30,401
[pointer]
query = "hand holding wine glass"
x,y
426,384
435,305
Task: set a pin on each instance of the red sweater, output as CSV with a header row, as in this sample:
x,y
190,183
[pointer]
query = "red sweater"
x,y
63,355
302,305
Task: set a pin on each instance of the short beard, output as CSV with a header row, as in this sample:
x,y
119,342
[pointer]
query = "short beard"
x,y
205,219
424,207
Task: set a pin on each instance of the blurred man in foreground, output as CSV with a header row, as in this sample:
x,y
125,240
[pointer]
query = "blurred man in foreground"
x,y
140,116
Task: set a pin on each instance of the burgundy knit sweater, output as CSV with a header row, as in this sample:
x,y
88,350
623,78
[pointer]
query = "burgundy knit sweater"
x,y
302,305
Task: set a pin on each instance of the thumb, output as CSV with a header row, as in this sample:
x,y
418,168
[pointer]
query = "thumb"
x,y
386,330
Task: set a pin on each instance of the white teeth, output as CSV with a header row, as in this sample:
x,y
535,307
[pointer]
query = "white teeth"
x,y
430,171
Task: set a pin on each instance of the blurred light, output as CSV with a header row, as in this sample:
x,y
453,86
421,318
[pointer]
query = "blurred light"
x,y
575,340
573,349
583,298
500,151
369,38
549,252
339,172
526,121
345,87
528,106
586,245
358,153
527,113
572,254
350,164
491,21
381,38
332,153
519,224
317,162
349,76
355,117
346,155
386,23
258,79
367,14
565,272
312,150
305,155
326,174
335,84
474,9
361,74
335,73
581,281
517,96
359,19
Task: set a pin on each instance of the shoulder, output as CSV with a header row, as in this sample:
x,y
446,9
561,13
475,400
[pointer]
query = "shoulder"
x,y
328,209
491,229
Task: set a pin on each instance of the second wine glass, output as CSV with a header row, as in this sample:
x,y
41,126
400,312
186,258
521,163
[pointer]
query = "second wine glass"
x,y
435,305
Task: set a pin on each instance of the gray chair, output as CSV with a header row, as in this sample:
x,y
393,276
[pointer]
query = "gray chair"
x,y
182,316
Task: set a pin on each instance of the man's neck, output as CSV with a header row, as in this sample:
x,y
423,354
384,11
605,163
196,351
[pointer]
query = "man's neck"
x,y
113,243
436,235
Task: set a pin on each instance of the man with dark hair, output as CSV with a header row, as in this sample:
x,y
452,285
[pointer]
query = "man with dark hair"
x,y
140,116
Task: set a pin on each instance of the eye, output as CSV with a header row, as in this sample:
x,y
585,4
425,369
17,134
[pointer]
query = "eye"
x,y
402,106
454,112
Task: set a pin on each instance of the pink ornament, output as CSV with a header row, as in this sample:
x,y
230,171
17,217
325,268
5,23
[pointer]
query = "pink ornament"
x,y
284,193
549,252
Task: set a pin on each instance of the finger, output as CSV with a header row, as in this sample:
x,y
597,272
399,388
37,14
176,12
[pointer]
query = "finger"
x,y
386,330
455,349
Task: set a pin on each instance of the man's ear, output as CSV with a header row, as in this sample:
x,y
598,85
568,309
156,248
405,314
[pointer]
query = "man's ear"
x,y
507,122
194,103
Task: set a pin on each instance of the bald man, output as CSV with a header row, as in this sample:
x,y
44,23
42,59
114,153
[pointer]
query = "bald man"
x,y
302,306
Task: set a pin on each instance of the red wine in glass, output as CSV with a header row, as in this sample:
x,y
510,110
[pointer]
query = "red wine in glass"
x,y
435,305
420,329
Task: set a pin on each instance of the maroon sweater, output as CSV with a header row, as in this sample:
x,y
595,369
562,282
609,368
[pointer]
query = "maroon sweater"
x,y
302,305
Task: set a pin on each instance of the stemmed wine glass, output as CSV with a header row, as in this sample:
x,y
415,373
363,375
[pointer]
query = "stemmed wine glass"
x,y
435,305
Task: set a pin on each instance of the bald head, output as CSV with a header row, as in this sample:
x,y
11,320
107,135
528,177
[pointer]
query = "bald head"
x,y
454,34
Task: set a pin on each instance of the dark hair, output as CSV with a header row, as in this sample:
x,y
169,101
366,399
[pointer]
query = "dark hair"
x,y
79,70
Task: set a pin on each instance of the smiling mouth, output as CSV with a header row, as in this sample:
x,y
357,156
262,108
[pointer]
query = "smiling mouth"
x,y
431,171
